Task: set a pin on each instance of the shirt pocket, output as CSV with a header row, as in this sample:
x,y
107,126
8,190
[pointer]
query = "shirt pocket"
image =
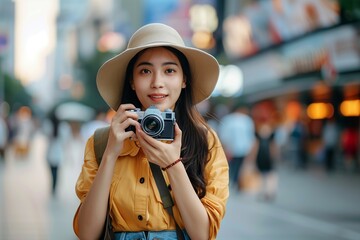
x,y
158,206
118,211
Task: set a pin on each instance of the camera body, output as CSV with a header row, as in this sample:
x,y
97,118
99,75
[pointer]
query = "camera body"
x,y
157,124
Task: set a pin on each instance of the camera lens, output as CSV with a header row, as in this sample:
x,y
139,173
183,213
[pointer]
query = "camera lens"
x,y
152,125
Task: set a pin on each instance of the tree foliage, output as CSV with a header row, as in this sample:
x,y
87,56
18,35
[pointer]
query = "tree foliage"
x,y
89,68
15,93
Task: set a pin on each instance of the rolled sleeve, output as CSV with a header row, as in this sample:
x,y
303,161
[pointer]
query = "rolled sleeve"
x,y
217,190
86,177
88,171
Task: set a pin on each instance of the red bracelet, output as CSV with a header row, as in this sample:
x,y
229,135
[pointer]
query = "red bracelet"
x,y
172,164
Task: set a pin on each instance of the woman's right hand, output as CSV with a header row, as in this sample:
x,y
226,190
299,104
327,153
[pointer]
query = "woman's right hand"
x,y
92,212
117,134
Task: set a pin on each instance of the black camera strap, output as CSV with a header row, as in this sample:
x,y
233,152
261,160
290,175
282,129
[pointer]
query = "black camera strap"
x,y
165,195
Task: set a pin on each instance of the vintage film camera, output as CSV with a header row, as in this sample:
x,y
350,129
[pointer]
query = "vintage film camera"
x,y
157,124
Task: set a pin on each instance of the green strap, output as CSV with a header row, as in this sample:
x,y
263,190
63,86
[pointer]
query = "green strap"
x,y
101,136
100,141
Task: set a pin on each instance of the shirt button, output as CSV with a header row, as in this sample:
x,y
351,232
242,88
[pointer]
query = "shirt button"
x,y
142,180
140,217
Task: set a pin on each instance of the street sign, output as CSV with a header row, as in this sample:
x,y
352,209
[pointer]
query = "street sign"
x,y
3,41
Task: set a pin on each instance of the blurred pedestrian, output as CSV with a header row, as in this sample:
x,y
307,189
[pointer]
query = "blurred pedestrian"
x,y
349,145
265,154
294,132
157,70
297,144
330,138
24,130
3,135
237,134
55,151
72,116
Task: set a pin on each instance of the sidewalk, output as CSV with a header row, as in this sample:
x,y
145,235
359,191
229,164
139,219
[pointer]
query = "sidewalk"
x,y
27,209
310,206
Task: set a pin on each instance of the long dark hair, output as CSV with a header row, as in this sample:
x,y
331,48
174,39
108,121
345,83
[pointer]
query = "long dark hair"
x,y
195,147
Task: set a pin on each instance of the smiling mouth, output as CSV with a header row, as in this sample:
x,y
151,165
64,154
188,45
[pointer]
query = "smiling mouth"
x,y
157,97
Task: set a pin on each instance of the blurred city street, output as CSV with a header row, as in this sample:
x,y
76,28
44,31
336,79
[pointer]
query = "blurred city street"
x,y
310,204
287,99
27,208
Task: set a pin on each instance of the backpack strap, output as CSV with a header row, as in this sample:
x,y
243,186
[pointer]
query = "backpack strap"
x,y
100,141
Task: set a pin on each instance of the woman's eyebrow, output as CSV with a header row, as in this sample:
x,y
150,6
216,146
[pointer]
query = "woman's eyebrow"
x,y
144,64
169,63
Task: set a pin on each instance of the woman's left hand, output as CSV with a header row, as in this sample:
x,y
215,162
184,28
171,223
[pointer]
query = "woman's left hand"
x,y
160,153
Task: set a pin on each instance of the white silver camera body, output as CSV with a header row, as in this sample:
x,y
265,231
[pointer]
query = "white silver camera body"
x,y
157,124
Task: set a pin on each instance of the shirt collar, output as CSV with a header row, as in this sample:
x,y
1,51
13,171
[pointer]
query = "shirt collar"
x,y
131,147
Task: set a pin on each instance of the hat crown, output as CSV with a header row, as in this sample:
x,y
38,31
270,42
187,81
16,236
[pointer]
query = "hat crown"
x,y
155,34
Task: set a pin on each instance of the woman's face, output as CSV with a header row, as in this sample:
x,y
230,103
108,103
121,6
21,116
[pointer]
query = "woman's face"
x,y
158,78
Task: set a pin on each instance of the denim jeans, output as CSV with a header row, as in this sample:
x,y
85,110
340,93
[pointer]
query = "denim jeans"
x,y
162,235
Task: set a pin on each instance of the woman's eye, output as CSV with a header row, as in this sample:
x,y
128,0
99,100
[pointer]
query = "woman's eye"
x,y
170,70
145,71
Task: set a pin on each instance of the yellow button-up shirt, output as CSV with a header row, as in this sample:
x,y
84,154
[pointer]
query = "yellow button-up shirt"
x,y
135,202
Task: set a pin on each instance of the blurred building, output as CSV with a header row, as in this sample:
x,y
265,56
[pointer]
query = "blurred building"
x,y
302,53
290,46
302,56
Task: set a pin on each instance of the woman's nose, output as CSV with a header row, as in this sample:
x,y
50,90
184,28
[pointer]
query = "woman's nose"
x,y
157,81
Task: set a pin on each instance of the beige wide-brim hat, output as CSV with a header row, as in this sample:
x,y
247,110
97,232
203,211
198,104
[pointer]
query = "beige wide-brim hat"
x,y
203,66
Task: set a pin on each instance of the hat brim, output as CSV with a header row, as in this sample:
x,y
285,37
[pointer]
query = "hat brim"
x,y
204,69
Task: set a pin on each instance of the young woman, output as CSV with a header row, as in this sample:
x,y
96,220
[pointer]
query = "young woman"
x,y
156,69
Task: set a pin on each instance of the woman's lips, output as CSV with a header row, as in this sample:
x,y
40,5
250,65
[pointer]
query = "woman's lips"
x,y
157,97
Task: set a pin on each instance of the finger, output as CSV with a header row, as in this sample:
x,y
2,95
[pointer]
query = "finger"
x,y
129,124
145,140
125,120
133,136
129,134
125,107
178,133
